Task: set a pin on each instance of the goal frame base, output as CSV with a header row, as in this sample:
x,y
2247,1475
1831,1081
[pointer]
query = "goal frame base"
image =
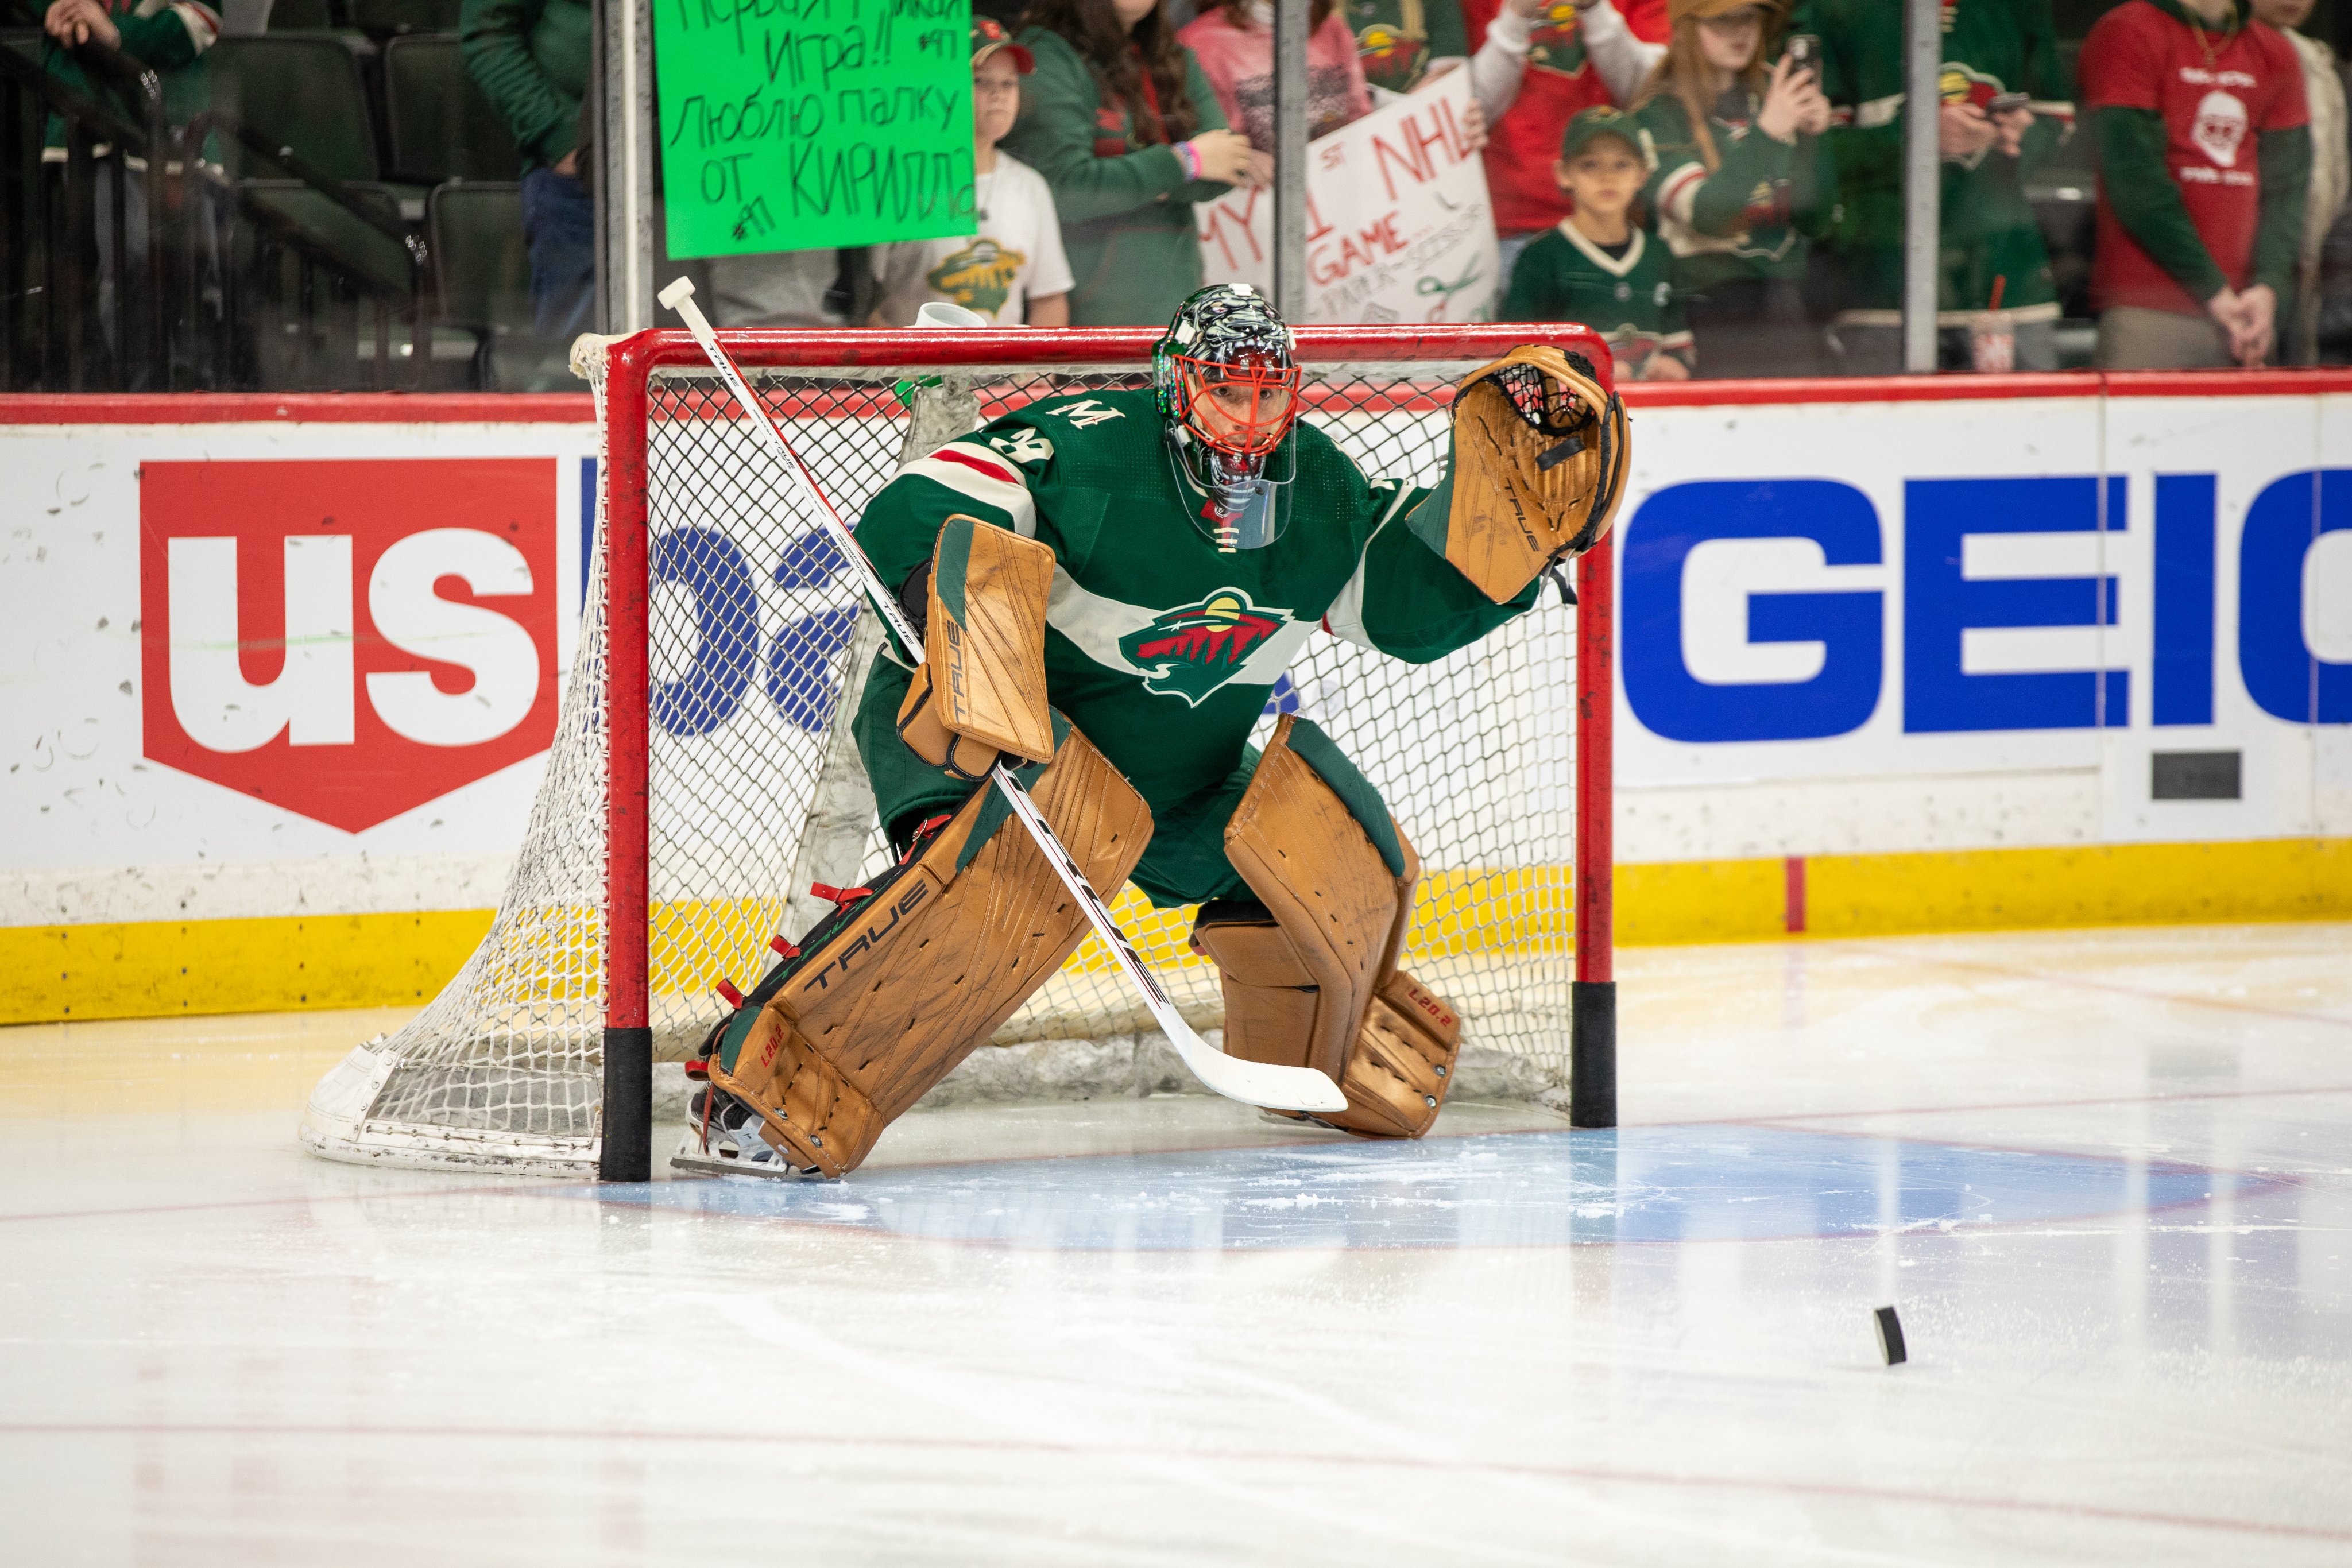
x,y
627,1151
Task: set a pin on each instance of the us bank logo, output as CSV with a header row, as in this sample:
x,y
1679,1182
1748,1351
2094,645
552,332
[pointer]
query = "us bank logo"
x,y
347,640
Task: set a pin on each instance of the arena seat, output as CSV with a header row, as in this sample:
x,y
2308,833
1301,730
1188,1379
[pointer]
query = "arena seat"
x,y
304,17
307,92
395,19
369,254
482,272
441,125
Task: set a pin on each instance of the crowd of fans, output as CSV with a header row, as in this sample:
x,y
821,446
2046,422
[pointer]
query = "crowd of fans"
x,y
1714,185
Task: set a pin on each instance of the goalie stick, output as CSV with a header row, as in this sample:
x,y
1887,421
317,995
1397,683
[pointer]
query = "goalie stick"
x,y
1250,1082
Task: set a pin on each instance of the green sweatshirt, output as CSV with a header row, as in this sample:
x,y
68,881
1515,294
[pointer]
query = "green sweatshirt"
x,y
1988,229
530,58
156,36
1125,205
1752,217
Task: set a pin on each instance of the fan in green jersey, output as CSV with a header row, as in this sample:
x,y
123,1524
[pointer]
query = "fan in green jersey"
x,y
1108,584
2005,108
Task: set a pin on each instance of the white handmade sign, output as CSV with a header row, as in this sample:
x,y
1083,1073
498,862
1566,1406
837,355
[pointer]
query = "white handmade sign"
x,y
1399,227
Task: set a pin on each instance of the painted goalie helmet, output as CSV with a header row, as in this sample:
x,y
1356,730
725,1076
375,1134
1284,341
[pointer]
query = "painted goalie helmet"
x,y
1227,385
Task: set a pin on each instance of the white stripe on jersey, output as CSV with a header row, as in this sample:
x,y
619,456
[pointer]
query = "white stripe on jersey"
x,y
973,471
1096,624
1678,195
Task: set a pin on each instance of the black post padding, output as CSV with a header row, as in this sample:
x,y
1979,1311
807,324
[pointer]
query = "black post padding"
x,y
1593,1053
628,1149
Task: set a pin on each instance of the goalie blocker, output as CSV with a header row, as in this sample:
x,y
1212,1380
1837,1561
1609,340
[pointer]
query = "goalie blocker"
x,y
980,689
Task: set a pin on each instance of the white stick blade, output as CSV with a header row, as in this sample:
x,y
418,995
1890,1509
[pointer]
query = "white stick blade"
x,y
1255,1082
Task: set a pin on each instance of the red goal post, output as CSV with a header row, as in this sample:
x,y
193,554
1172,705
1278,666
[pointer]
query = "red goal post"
x,y
628,414
703,774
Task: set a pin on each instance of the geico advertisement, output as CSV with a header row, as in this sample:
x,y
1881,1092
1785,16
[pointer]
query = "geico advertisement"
x,y
1952,587
246,643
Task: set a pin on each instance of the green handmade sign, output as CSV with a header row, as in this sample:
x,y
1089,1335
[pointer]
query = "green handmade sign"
x,y
804,124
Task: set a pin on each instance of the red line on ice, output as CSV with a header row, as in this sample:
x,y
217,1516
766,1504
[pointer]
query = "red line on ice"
x,y
2108,987
1415,1464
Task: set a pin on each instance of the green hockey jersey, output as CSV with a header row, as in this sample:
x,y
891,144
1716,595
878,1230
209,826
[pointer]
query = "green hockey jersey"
x,y
1627,296
1160,648
1753,214
1987,230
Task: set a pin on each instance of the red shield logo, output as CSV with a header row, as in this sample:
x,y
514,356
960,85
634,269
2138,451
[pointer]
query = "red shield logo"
x,y
349,639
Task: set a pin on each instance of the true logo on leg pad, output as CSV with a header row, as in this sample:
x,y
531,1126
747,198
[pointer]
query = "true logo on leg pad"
x,y
921,885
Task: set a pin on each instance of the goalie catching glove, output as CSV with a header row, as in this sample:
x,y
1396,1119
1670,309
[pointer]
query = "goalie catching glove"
x,y
1539,458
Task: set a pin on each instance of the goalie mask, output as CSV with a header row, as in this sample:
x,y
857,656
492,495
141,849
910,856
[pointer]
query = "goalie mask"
x,y
1228,387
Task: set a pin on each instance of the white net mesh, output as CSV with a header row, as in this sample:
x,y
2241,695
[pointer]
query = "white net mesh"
x,y
757,649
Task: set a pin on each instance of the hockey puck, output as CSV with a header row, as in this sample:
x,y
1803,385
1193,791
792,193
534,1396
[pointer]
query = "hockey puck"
x,y
1890,1335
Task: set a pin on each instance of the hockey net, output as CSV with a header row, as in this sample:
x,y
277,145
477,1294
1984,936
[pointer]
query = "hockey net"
x,y
702,776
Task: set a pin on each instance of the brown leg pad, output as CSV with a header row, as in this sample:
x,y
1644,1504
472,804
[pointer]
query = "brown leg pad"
x,y
1311,979
1334,904
806,1108
1270,994
932,964
1402,1063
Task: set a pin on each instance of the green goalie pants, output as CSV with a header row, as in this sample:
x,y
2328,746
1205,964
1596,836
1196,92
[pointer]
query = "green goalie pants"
x,y
1186,862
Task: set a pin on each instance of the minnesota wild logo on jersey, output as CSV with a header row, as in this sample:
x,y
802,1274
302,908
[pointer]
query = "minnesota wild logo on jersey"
x,y
1959,83
1191,651
1392,57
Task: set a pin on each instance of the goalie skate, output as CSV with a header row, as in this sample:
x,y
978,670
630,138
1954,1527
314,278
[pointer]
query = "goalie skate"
x,y
723,1139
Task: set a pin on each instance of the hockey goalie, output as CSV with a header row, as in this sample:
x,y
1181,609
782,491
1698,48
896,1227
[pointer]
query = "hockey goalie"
x,y
1107,585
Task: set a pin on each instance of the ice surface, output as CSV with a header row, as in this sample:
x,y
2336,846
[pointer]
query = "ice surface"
x,y
2107,1176
1538,1188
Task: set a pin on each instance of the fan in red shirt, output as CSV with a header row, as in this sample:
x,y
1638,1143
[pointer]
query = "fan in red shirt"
x,y
2204,159
1560,80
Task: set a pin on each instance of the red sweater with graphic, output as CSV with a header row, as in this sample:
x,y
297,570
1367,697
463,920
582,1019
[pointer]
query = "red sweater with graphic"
x,y
2218,93
1523,144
